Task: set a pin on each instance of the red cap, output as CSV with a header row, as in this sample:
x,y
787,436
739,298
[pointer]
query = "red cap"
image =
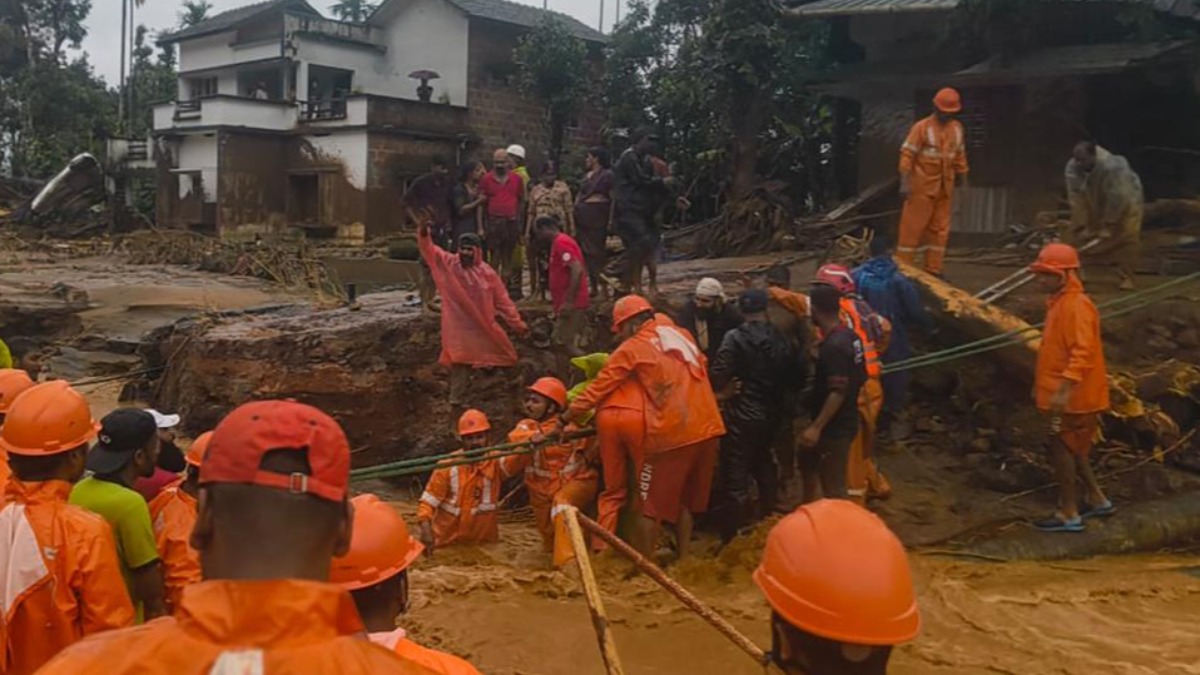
x,y
239,442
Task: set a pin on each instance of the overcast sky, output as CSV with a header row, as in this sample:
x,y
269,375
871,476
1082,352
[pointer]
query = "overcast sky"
x,y
104,25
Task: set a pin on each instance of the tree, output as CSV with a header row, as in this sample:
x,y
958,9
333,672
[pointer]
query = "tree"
x,y
352,10
154,80
194,11
552,67
51,25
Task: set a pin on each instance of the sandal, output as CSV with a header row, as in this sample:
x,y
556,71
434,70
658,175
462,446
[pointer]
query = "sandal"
x,y
1057,523
1101,511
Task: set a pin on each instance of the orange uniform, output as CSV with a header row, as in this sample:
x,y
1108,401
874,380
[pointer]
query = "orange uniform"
x,y
557,476
463,502
173,513
862,473
932,157
437,662
286,626
63,580
796,303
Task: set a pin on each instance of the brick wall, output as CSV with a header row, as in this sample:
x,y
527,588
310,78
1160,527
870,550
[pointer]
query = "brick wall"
x,y
497,111
394,160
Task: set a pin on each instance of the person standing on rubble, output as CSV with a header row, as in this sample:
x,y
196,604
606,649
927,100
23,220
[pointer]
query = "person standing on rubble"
x,y
709,316
173,514
593,215
674,435
430,193
505,193
894,297
557,476
472,295
273,512
933,161
548,197
874,332
760,357
567,279
840,589
460,504
1070,386
638,193
1106,204
375,573
63,578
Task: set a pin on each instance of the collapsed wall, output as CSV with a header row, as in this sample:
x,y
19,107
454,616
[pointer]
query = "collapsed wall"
x,y
374,369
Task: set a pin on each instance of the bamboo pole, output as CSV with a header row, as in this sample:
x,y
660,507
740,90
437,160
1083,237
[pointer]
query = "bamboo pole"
x,y
682,594
608,647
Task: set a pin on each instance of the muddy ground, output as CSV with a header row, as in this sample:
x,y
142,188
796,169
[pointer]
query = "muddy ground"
x,y
973,444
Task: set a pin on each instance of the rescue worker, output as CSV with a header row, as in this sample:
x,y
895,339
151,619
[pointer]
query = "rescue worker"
x,y
63,579
1106,204
1070,386
375,572
789,311
13,381
472,296
708,316
760,357
863,478
933,161
461,503
173,514
672,438
894,297
840,590
556,476
273,512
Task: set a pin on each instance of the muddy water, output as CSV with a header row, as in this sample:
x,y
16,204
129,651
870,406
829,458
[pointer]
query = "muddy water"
x,y
504,609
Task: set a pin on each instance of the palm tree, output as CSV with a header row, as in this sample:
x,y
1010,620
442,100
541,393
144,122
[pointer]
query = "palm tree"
x,y
194,11
352,10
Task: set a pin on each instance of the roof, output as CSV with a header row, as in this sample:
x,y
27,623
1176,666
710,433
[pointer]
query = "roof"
x,y
1074,60
824,8
518,14
230,19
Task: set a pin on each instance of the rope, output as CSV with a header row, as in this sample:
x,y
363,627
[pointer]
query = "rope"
x,y
419,465
1016,337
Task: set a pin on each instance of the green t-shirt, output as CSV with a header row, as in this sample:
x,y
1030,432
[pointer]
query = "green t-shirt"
x,y
5,356
129,516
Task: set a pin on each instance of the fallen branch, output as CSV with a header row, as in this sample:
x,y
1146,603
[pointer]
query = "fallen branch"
x,y
591,591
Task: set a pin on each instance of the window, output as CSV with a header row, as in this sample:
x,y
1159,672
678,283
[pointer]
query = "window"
x,y
200,87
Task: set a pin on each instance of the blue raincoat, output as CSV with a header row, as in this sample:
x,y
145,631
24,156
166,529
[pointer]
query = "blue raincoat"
x,y
892,295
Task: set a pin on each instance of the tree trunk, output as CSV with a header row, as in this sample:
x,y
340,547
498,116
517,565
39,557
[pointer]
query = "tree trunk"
x,y
746,116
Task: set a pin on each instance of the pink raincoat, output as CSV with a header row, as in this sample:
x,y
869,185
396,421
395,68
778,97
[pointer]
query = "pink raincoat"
x,y
471,299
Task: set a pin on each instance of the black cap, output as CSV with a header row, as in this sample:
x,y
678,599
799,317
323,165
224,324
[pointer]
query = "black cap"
x,y
753,301
122,433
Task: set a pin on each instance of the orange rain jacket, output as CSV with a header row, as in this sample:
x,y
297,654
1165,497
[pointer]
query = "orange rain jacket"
x,y
463,501
234,627
63,577
679,405
1072,350
932,155
437,662
173,513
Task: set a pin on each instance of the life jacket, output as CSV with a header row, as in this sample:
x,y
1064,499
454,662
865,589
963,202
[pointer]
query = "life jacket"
x,y
871,328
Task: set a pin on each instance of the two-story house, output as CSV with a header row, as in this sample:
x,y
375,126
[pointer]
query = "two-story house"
x,y
285,118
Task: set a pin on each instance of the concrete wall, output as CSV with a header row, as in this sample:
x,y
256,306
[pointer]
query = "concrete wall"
x,y
348,150
219,50
425,35
394,160
200,152
253,181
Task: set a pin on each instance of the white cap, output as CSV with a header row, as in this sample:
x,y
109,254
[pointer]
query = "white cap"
x,y
163,421
516,151
710,288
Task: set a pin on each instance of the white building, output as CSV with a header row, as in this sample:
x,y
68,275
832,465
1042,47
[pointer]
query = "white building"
x,y
286,118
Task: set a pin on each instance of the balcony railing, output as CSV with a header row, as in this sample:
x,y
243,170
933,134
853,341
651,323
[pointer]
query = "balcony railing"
x,y
187,110
322,110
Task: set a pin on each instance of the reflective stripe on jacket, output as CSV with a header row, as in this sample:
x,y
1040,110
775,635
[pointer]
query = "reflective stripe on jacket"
x,y
462,502
932,155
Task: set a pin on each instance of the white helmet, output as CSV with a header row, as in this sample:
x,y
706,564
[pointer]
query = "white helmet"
x,y
516,151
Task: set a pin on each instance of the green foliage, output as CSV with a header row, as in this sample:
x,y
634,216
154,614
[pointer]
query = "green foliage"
x,y
193,12
154,80
352,10
552,67
51,25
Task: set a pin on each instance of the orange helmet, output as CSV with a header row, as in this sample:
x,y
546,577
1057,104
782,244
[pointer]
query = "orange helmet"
x,y
1056,258
47,419
380,546
837,276
13,381
835,570
552,388
473,422
195,453
948,101
628,307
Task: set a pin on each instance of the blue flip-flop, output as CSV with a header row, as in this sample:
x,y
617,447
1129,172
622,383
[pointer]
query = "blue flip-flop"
x,y
1057,523
1102,511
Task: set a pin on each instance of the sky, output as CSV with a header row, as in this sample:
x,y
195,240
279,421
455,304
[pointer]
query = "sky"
x,y
104,25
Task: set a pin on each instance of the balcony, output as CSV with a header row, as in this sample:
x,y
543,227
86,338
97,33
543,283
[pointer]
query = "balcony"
x,y
130,153
320,28
334,111
226,111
